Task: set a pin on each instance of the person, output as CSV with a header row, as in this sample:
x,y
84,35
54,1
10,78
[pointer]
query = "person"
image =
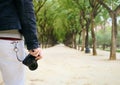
x,y
17,24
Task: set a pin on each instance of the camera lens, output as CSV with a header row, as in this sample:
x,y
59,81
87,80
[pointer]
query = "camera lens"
x,y
33,66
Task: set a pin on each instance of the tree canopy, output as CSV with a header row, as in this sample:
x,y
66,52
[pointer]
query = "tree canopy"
x,y
75,22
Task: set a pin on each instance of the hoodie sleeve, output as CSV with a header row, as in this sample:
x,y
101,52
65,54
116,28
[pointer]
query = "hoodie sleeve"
x,y
28,22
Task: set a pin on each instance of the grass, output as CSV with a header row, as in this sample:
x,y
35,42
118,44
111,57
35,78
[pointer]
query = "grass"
x,y
118,50
108,49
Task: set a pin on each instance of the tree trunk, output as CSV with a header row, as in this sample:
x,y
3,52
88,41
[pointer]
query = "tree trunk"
x,y
79,41
87,50
113,39
93,35
74,41
83,40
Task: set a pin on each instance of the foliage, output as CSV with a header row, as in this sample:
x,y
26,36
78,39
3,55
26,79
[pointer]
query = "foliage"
x,y
59,20
104,36
118,39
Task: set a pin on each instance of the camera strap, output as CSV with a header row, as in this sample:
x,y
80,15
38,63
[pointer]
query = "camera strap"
x,y
16,50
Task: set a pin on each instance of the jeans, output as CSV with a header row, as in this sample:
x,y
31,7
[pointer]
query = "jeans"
x,y
12,70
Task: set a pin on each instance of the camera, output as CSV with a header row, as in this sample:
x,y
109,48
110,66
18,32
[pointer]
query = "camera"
x,y
30,62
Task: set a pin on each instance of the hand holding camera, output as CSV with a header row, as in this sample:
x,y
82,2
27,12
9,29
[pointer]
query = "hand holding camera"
x,y
31,59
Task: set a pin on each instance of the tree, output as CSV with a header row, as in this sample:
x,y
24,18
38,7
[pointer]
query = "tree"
x,y
38,4
71,23
45,21
103,38
84,20
95,9
113,12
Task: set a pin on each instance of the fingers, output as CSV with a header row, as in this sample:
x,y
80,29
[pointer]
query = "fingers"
x,y
36,53
38,57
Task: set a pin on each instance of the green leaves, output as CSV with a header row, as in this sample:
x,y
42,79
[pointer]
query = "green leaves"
x,y
56,18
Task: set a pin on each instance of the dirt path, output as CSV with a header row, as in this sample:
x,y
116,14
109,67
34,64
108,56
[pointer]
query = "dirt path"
x,y
65,66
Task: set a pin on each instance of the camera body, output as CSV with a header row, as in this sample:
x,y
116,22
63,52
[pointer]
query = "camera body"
x,y
30,62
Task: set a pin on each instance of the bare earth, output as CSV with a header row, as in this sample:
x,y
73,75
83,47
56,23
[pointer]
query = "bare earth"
x,y
62,65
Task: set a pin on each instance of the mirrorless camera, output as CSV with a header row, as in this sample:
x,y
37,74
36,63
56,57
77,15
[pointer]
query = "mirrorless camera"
x,y
30,62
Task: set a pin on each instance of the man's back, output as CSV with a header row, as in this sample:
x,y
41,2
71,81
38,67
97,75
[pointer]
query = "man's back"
x,y
8,15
